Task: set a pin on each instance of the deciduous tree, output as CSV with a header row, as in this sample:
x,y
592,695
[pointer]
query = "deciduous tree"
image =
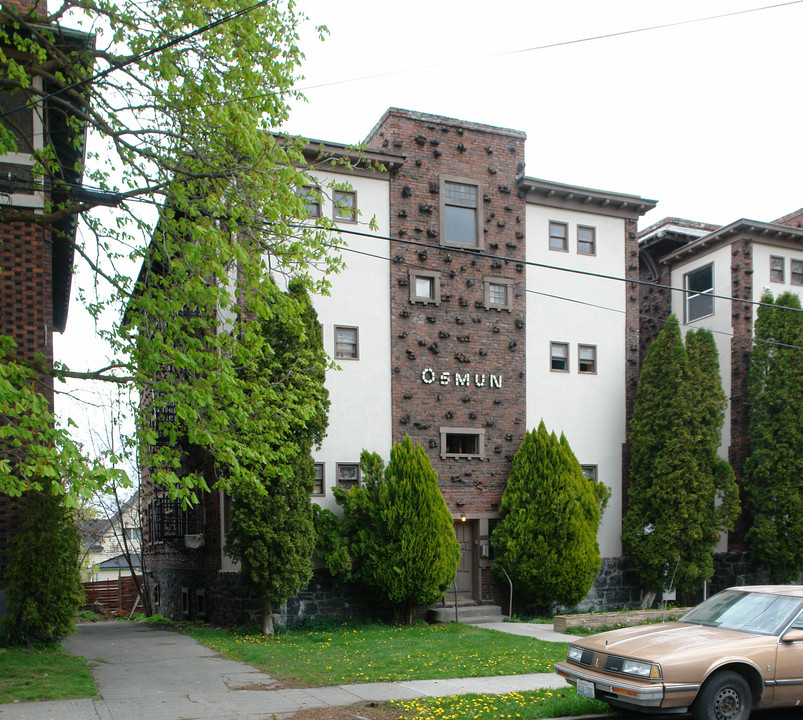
x,y
182,103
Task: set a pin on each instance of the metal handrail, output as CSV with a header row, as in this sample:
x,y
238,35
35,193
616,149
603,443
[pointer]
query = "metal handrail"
x,y
510,609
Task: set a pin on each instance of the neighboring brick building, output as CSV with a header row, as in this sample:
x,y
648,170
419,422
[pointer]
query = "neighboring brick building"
x,y
713,264
35,261
482,303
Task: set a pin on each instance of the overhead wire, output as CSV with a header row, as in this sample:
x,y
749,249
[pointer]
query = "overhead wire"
x,y
640,315
549,46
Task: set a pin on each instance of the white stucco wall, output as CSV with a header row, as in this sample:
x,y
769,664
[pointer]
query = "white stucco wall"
x,y
580,310
719,323
761,270
360,411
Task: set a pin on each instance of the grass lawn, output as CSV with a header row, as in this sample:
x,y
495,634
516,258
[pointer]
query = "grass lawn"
x,y
43,673
511,706
353,653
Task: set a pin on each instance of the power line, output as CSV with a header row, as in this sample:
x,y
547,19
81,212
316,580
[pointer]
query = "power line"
x,y
640,315
549,46
533,263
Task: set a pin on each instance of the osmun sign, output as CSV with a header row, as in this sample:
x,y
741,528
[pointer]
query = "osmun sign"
x,y
429,376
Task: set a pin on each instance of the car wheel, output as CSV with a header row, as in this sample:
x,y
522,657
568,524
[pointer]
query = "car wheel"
x,y
724,696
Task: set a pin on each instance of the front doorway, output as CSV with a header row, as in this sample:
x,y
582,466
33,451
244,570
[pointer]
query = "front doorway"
x,y
464,531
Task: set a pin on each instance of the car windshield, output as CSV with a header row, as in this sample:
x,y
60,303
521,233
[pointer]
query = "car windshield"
x,y
747,611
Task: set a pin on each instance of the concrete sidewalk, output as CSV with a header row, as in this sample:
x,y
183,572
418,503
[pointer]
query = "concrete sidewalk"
x,y
144,672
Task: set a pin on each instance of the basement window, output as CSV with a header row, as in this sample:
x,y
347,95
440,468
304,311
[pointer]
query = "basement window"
x,y
462,442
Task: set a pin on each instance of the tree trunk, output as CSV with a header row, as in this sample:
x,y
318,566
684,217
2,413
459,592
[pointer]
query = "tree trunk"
x,y
267,617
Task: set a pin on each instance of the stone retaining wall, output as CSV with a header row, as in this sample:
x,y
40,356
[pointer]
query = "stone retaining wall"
x,y
614,619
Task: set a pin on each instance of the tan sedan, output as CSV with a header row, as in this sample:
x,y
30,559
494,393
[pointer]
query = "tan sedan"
x,y
740,649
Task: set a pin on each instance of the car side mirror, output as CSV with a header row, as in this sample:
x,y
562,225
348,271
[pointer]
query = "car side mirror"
x,y
793,635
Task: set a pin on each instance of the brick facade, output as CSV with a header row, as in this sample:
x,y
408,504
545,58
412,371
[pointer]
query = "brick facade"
x,y
457,363
27,317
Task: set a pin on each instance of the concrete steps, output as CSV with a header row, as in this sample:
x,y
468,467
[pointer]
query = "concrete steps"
x,y
471,614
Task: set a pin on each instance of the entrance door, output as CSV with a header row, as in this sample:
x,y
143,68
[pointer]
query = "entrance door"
x,y
465,570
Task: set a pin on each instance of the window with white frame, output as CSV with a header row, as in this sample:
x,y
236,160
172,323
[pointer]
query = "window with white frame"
x,y
348,475
425,286
461,206
558,236
587,358
498,293
347,343
776,269
586,240
559,356
462,442
699,287
796,272
319,487
345,205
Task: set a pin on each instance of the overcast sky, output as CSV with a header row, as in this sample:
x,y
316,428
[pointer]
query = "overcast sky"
x,y
702,117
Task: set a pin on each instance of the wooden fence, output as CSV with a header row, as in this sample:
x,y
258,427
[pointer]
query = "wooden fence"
x,y
120,594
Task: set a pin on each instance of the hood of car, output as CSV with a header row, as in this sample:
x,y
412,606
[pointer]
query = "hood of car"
x,y
663,641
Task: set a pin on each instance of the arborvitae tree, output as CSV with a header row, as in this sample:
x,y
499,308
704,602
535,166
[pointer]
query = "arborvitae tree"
x,y
400,530
271,530
42,578
681,495
708,402
773,474
548,522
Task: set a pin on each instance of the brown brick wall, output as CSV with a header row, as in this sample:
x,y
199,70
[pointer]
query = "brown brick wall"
x,y
459,335
27,312
742,324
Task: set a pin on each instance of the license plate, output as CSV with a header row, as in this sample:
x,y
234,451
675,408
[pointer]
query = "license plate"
x,y
584,687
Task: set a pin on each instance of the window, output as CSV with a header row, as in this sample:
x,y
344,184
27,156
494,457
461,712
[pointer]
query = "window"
x,y
589,472
586,358
699,287
796,272
425,287
776,269
462,442
312,200
345,205
559,357
460,213
348,475
347,343
498,293
20,122
558,236
318,487
586,240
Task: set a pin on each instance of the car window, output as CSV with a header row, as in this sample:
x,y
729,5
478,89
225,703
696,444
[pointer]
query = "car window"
x,y
798,623
746,611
